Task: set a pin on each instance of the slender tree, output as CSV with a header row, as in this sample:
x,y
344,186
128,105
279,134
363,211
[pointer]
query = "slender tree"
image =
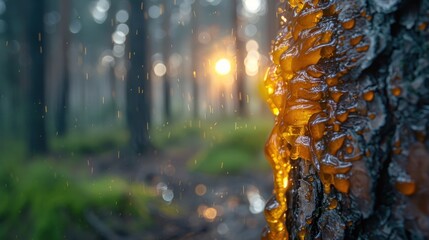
x,y
61,113
138,81
35,73
240,56
195,60
166,55
13,32
271,22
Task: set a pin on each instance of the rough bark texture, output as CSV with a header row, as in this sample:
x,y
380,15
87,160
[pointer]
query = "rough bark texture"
x,y
349,88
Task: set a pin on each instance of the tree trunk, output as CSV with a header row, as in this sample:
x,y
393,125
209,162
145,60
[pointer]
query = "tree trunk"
x,y
61,114
240,48
138,81
35,42
14,119
167,53
195,60
349,88
272,22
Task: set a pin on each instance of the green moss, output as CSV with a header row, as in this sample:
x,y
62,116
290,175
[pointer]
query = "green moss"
x,y
91,142
166,136
39,200
234,148
227,160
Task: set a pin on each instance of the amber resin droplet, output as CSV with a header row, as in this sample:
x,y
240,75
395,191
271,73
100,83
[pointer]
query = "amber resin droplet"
x,y
301,234
422,26
354,41
363,48
368,96
333,204
349,24
396,91
406,187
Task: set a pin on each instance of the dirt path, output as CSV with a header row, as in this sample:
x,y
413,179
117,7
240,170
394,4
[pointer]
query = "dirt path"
x,y
209,207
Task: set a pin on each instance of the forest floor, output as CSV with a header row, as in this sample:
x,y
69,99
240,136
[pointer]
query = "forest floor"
x,y
207,206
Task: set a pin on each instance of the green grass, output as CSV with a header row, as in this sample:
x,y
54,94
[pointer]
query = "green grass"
x,y
39,199
233,148
90,142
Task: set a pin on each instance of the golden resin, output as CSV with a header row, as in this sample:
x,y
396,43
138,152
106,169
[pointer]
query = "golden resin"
x,y
333,204
406,187
368,96
299,89
396,91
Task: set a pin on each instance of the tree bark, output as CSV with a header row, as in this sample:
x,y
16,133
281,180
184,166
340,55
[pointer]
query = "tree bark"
x,y
138,81
349,88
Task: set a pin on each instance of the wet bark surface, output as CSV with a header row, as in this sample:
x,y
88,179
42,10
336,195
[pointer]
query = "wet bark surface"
x,y
364,176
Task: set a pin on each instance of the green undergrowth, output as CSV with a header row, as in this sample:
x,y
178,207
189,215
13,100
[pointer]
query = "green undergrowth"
x,y
42,200
224,146
177,134
233,148
90,142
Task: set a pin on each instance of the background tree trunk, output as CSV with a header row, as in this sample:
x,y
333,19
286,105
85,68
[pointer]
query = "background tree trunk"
x,y
240,48
14,117
195,61
166,56
35,73
272,22
362,164
62,109
138,81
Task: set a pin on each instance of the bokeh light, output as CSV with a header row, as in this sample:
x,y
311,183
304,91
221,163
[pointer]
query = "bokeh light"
x,y
223,66
253,6
210,214
160,69
200,189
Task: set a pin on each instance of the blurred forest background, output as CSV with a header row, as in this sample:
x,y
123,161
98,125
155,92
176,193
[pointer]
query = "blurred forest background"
x,y
134,119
